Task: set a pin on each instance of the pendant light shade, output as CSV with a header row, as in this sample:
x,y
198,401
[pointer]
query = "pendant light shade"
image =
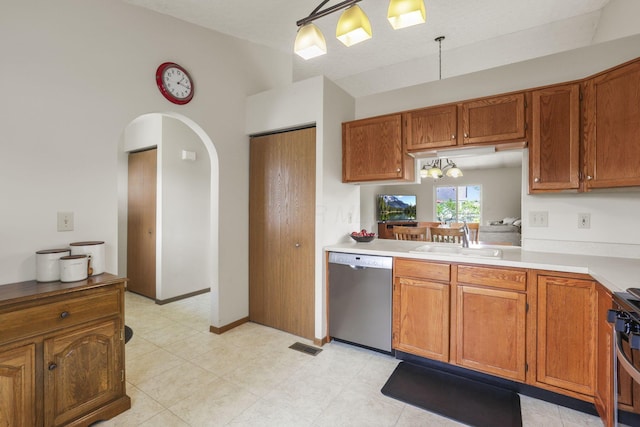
x,y
405,13
435,170
353,26
310,42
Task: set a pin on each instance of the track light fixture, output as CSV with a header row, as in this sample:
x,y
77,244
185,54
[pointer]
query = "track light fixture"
x,y
353,26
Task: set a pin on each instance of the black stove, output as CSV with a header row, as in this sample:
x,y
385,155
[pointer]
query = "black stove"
x,y
626,317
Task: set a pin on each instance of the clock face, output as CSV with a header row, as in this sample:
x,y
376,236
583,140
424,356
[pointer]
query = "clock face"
x,y
174,83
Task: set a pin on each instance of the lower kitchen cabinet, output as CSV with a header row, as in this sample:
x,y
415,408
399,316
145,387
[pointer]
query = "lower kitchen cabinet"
x,y
62,352
421,293
566,333
17,386
491,306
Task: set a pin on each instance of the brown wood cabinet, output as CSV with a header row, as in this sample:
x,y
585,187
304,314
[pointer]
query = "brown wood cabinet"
x,y
374,150
421,294
62,352
491,304
603,396
431,128
611,128
494,119
554,149
17,391
566,333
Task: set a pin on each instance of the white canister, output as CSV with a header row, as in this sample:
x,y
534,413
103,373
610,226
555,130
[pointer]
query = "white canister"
x,y
93,249
48,264
73,268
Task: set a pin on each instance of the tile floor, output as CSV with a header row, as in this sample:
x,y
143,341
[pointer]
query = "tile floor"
x,y
179,374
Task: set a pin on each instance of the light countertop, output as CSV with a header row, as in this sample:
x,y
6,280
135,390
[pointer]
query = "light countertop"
x,y
617,274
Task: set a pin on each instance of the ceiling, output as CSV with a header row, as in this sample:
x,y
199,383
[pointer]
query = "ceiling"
x,y
478,35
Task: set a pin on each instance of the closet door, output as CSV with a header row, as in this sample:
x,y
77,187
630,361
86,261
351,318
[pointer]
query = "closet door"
x,y
141,224
282,231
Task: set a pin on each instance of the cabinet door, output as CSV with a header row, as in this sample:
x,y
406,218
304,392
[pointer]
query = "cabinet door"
x,y
421,318
17,387
611,128
567,328
492,120
604,397
491,331
83,371
372,150
554,151
431,128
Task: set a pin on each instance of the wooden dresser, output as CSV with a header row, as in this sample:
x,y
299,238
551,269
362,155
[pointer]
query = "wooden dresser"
x,y
62,352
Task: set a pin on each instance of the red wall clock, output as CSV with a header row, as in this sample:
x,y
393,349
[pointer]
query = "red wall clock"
x,y
174,83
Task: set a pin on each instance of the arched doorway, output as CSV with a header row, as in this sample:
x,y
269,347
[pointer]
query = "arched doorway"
x,y
187,218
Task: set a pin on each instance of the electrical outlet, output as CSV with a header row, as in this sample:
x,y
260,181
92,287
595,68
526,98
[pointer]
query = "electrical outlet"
x,y
65,221
539,219
584,220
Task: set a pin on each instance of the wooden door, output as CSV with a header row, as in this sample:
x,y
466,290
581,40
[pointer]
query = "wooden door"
x,y
567,332
491,120
421,318
491,329
83,371
282,231
17,387
554,152
431,128
141,224
611,128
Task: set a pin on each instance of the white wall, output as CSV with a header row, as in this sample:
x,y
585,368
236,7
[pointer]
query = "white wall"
x,y
611,210
318,101
185,194
501,196
72,84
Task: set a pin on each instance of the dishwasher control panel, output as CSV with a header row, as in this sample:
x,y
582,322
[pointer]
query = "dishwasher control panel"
x,y
358,260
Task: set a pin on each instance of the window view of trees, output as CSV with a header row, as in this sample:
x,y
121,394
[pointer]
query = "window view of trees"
x,y
458,204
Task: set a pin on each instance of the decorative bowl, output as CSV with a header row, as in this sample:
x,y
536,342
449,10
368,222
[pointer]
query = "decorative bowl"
x,y
362,239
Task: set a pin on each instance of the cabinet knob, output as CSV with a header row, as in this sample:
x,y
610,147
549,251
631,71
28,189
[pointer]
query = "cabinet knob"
x,y
52,366
64,314
466,135
589,177
297,245
453,137
536,179
398,170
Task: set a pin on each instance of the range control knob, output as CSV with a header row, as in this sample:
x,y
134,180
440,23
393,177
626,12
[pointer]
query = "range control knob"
x,y
612,315
634,341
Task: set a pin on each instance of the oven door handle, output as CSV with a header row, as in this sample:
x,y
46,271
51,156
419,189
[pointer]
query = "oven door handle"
x,y
625,362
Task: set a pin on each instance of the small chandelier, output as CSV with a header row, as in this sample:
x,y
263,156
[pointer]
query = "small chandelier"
x,y
435,170
353,26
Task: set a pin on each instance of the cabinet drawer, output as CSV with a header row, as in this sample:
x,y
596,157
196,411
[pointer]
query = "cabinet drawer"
x,y
422,269
504,278
24,321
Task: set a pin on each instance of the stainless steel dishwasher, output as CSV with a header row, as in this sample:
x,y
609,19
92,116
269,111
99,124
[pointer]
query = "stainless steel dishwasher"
x,y
360,299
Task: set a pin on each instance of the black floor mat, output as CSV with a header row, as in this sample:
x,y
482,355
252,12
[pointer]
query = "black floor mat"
x,y
452,396
128,334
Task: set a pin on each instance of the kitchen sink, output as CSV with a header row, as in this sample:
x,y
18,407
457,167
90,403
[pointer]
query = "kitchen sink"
x,y
459,251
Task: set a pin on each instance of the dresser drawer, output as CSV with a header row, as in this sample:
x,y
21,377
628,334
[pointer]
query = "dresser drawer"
x,y
422,269
51,314
495,277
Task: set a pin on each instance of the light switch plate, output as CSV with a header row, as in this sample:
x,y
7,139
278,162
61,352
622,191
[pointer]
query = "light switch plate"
x,y
65,221
584,220
539,219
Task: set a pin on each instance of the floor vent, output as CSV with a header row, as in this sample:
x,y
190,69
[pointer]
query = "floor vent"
x,y
305,348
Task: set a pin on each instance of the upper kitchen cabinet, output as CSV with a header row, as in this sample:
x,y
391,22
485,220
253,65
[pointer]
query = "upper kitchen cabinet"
x,y
492,120
373,150
554,149
612,128
431,128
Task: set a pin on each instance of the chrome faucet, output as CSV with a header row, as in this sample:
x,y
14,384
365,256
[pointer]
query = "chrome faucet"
x,y
465,235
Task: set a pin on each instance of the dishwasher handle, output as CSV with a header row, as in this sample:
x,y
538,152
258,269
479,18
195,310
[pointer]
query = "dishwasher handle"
x,y
360,261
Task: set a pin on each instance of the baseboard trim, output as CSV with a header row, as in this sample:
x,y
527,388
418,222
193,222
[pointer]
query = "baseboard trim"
x,y
321,341
179,297
225,328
